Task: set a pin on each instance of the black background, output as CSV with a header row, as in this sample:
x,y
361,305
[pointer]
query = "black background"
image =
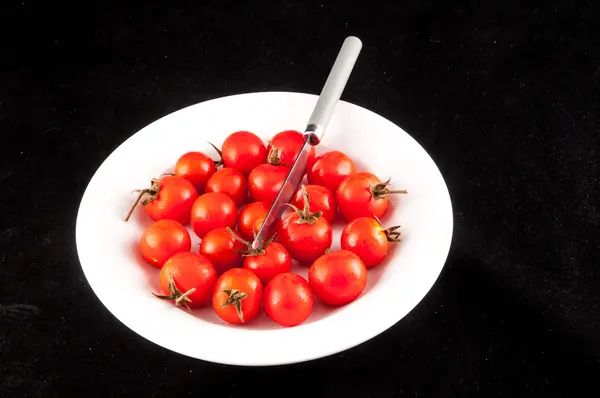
x,y
503,95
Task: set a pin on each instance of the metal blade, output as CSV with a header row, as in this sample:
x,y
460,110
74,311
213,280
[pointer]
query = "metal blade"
x,y
287,191
329,97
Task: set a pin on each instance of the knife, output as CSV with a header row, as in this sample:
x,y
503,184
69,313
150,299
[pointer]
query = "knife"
x,y
315,129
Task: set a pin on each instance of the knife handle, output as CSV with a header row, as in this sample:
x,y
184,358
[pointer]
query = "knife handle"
x,y
332,90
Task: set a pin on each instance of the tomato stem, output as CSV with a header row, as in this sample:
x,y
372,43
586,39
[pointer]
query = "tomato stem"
x,y
220,161
381,190
235,298
250,251
274,156
148,194
177,295
139,197
236,237
392,234
305,216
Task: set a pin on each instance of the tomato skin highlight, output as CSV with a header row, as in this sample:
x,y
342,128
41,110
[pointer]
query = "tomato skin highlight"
x,y
338,277
288,144
222,249
213,210
321,199
237,280
189,271
243,151
174,200
195,167
330,169
230,182
251,218
288,299
305,242
162,239
275,260
265,181
366,238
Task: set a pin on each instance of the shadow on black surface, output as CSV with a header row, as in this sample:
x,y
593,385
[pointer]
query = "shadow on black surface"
x,y
501,344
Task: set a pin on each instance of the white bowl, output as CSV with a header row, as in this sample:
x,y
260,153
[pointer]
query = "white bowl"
x,y
108,246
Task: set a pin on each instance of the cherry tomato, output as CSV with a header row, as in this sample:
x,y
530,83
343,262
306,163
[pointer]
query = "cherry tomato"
x,y
312,158
243,151
363,195
230,182
365,237
306,235
330,169
266,263
222,249
285,146
338,277
211,211
288,299
195,167
169,198
265,181
251,218
321,199
188,279
237,296
162,239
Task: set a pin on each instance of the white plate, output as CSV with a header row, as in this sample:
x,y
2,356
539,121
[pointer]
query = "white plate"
x,y
108,246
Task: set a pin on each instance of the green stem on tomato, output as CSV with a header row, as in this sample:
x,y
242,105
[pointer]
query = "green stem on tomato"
x,y
304,215
178,297
381,190
392,234
220,161
250,251
235,298
148,194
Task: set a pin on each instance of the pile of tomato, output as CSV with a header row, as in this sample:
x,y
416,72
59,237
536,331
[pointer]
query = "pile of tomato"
x,y
225,201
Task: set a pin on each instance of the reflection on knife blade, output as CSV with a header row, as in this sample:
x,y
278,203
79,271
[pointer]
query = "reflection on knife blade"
x,y
289,187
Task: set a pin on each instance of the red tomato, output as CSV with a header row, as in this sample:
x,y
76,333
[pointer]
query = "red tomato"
x,y
321,199
195,167
288,299
330,169
230,182
162,239
306,235
211,211
363,195
222,249
188,279
251,218
338,277
237,296
169,198
365,237
265,181
243,151
266,263
312,158
285,146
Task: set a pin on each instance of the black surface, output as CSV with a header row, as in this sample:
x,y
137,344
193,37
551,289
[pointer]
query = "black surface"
x,y
504,96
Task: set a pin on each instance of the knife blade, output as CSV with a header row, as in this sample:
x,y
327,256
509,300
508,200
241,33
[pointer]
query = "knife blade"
x,y
315,129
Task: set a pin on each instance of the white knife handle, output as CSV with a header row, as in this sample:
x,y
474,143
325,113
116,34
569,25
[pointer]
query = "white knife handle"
x,y
332,90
